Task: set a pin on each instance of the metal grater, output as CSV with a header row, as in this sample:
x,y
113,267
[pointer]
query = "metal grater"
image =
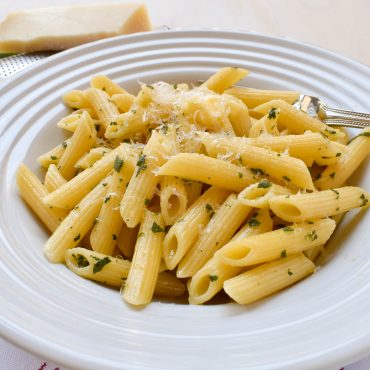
x,y
15,63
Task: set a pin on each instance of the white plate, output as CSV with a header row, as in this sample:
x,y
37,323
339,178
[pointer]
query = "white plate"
x,y
321,323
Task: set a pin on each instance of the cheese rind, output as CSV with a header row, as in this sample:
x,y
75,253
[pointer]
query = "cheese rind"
x,y
65,27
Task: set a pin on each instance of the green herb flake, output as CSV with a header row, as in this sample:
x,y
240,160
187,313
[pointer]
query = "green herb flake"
x,y
175,86
332,175
240,159
257,171
209,210
213,277
81,260
98,266
272,113
264,184
141,165
106,199
286,178
311,236
288,229
338,154
97,127
113,123
364,200
77,237
146,201
118,163
290,272
156,228
164,128
140,235
283,253
253,222
336,192
114,236
240,175
104,184
64,144
53,157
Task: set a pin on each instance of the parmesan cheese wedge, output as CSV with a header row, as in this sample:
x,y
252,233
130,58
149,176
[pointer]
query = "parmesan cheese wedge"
x,y
64,27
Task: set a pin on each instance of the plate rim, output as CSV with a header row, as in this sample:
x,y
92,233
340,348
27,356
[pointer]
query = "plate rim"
x,y
42,348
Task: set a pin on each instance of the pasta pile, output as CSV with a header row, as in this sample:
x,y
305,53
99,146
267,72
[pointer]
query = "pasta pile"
x,y
209,188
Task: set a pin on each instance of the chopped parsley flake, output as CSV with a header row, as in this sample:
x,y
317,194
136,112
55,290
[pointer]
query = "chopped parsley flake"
x,y
150,87
253,222
81,260
257,171
240,175
288,229
146,201
141,165
213,277
106,199
283,253
156,228
364,200
290,272
311,236
118,163
240,160
338,154
286,178
114,236
140,235
164,128
209,210
53,157
272,113
98,266
113,123
264,184
64,144
77,237
97,126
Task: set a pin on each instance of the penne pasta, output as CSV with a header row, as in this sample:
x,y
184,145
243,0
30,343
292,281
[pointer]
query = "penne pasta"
x,y
275,244
53,179
144,269
268,278
302,207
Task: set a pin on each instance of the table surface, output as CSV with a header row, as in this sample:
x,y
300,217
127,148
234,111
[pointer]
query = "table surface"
x,y
338,25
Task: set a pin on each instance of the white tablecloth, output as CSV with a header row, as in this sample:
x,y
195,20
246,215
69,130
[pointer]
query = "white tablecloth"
x,y
338,25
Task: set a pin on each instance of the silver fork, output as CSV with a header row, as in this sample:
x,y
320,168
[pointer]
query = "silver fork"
x,y
315,107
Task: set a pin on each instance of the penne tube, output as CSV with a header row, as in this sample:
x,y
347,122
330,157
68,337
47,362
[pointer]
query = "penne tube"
x,y
53,179
68,195
254,97
81,142
33,192
105,232
275,244
185,232
173,199
238,116
76,225
114,271
297,121
93,155
222,226
337,174
104,83
103,106
208,281
144,269
257,195
263,161
142,185
199,167
224,78
268,278
127,239
123,101
53,155
325,203
76,99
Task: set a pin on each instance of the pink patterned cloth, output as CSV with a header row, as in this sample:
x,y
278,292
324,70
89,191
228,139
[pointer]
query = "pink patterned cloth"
x,y
13,358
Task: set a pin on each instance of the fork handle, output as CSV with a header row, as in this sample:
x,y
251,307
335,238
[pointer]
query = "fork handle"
x,y
345,114
346,122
